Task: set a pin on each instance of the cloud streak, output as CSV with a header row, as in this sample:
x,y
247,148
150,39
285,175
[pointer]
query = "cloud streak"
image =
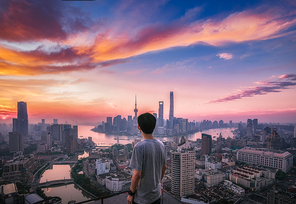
x,y
270,87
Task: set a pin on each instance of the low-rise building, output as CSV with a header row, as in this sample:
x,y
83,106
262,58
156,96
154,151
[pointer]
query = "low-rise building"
x,y
228,159
8,193
274,197
115,182
102,166
195,199
19,168
268,158
42,148
211,177
211,163
251,177
237,190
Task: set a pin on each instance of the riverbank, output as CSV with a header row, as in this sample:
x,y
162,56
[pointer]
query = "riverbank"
x,y
95,129
84,182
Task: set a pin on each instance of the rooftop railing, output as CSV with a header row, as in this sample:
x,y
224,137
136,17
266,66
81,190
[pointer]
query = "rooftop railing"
x,y
165,198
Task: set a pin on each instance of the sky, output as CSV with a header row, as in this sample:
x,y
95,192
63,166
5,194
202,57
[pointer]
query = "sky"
x,y
86,60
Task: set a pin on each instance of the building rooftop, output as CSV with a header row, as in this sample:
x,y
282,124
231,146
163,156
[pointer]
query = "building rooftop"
x,y
8,189
264,151
33,198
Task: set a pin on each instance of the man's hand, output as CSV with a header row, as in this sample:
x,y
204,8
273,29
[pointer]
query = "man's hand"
x,y
130,199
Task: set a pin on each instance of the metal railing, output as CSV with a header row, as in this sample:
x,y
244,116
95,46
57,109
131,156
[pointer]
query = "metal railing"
x,y
124,192
103,197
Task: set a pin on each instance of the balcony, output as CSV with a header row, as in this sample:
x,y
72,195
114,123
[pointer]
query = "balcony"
x,y
121,198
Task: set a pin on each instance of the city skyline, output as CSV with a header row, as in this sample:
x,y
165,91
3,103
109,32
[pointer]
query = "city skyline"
x,y
85,61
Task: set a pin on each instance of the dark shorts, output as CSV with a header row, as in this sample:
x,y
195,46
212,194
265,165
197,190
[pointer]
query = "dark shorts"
x,y
155,202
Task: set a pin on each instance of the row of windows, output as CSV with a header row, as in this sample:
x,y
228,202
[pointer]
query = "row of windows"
x,y
265,161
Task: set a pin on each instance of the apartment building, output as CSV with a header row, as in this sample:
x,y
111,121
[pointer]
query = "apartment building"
x,y
268,158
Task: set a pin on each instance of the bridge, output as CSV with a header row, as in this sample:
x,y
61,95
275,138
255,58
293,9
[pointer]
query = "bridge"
x,y
55,182
65,162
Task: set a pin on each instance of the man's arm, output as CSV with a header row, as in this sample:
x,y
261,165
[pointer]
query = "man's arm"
x,y
134,184
163,171
135,180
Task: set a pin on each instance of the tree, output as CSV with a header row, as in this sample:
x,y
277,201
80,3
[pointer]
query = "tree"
x,y
280,175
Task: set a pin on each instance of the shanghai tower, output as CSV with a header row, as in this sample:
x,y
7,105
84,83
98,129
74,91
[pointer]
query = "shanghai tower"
x,y
160,114
22,117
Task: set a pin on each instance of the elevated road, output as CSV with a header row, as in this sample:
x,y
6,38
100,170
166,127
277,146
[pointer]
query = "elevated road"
x,y
65,162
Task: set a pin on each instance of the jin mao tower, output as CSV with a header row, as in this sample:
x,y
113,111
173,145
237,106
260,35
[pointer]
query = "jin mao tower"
x,y
171,115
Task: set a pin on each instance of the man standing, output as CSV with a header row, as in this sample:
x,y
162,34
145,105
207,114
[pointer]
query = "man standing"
x,y
148,162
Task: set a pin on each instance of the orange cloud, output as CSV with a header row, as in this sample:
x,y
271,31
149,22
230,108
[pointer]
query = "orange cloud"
x,y
237,27
110,47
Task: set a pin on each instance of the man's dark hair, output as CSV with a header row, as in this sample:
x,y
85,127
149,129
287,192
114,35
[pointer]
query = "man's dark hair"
x,y
147,122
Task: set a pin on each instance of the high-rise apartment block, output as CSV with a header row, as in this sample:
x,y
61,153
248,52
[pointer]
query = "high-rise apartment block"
x,y
182,168
20,124
49,140
57,132
255,125
16,142
249,127
71,135
206,144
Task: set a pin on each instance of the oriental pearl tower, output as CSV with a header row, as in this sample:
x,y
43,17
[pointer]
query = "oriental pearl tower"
x,y
136,110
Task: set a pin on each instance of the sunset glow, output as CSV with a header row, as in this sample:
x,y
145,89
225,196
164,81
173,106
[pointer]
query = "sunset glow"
x,y
86,60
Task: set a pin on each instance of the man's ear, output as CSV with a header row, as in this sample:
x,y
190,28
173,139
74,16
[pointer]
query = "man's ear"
x,y
139,128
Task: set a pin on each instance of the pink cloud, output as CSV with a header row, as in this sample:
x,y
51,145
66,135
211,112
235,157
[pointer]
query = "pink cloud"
x,y
113,45
39,20
225,56
270,87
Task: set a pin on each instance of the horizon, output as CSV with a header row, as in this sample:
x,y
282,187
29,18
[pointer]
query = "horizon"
x,y
85,61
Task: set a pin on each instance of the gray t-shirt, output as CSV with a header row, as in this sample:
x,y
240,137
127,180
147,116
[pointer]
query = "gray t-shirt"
x,y
149,158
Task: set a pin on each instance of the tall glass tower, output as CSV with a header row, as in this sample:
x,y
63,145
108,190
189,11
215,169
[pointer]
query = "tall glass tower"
x,y
160,114
171,115
22,117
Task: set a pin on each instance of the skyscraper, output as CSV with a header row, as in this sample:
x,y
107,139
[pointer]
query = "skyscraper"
x,y
255,125
182,173
171,115
160,114
206,144
20,124
249,127
70,139
16,142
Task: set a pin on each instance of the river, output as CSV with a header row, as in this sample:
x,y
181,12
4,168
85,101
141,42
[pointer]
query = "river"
x,y
84,131
66,192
